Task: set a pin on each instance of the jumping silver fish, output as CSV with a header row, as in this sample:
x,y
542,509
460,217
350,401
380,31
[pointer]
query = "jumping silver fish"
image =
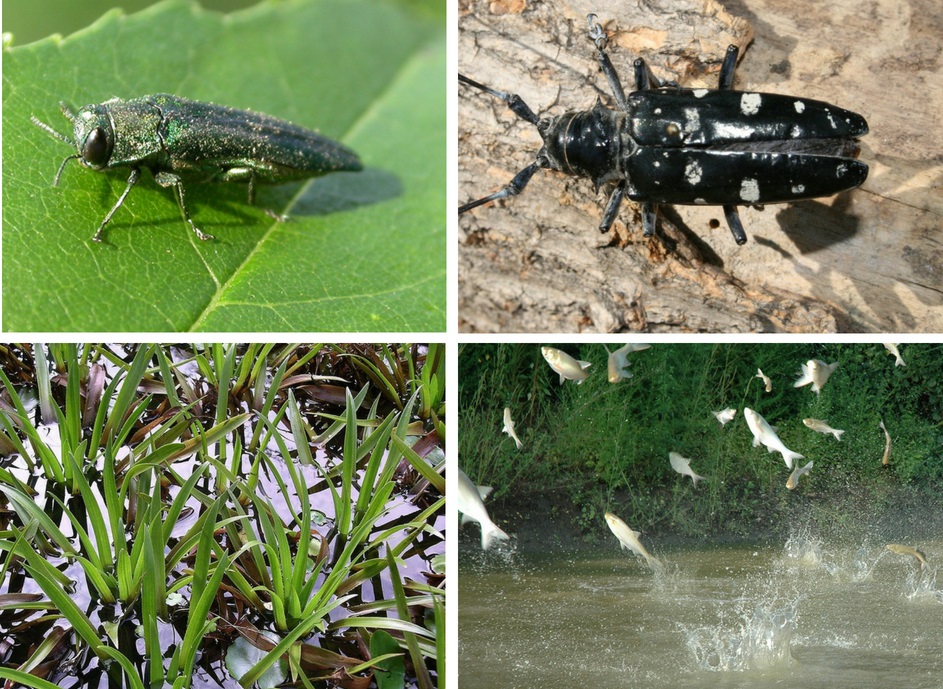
x,y
796,473
815,372
765,379
629,539
566,366
887,445
619,361
725,416
509,427
907,550
683,466
472,507
822,427
764,433
892,348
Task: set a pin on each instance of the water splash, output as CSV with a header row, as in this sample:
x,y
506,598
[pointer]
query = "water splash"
x,y
760,642
921,585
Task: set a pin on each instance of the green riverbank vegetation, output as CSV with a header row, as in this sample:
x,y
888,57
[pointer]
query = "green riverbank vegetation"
x,y
224,515
601,446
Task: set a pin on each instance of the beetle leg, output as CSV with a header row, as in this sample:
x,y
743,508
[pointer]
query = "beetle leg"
x,y
598,36
733,222
168,179
268,211
612,208
644,77
512,188
728,67
132,180
649,211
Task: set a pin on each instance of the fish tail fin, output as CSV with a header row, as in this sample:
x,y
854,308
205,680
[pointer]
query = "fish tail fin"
x,y
838,434
696,478
490,532
655,564
519,443
791,456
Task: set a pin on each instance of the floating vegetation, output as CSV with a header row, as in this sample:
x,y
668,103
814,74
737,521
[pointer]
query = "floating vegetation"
x,y
222,515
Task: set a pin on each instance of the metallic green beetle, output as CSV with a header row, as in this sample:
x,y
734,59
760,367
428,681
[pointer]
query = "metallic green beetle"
x,y
179,139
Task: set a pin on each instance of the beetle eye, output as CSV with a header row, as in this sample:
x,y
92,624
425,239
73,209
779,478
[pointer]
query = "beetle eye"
x,y
97,149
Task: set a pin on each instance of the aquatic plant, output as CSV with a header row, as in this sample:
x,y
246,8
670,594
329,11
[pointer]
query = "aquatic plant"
x,y
163,498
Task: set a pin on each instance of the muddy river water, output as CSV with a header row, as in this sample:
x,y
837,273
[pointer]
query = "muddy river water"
x,y
797,614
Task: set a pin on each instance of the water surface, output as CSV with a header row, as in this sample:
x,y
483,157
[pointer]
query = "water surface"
x,y
797,614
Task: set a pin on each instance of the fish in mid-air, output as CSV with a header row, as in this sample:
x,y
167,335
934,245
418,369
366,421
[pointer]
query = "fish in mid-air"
x,y
725,416
629,539
796,473
509,427
892,348
471,505
619,361
566,366
887,444
765,378
765,434
815,372
683,466
823,427
907,550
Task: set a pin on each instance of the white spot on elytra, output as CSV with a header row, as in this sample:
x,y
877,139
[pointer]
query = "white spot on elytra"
x,y
750,103
795,132
750,190
800,106
692,121
699,93
798,189
657,111
700,202
692,173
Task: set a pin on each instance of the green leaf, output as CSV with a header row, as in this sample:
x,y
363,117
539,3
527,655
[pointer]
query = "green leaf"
x,y
391,672
242,656
364,251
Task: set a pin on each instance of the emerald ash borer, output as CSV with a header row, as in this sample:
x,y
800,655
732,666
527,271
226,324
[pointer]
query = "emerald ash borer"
x,y
181,140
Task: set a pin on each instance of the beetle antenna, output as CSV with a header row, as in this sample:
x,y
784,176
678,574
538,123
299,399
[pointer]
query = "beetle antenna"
x,y
55,182
52,132
513,101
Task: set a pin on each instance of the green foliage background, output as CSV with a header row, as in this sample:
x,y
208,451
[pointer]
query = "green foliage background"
x,y
364,251
605,446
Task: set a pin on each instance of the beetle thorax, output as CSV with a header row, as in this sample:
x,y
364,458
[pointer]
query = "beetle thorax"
x,y
585,143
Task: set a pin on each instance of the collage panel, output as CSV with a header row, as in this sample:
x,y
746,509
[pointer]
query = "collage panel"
x,y
762,514
222,515
279,167
750,174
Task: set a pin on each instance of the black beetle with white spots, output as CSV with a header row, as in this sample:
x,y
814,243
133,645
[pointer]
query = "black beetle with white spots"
x,y
666,144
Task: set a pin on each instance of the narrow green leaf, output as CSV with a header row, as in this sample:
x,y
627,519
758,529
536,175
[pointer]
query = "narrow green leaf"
x,y
153,600
26,679
426,470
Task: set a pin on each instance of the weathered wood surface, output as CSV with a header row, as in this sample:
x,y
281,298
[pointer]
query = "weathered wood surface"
x,y
869,260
